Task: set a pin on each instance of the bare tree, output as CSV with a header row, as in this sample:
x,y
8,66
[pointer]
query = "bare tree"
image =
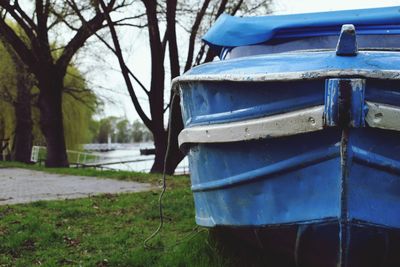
x,y
35,48
170,14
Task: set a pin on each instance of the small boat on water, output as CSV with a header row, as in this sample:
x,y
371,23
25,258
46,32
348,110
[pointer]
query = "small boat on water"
x,y
293,137
147,151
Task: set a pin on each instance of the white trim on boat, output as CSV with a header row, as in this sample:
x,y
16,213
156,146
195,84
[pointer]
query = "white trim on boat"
x,y
290,76
383,116
301,121
290,123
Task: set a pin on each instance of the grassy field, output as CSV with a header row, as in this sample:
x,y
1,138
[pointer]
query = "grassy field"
x,y
109,230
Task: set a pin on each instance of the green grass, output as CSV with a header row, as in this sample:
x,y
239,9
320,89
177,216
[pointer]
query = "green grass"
x,y
109,230
102,231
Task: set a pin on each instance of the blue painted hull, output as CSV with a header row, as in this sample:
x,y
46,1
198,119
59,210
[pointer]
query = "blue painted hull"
x,y
286,196
325,197
298,179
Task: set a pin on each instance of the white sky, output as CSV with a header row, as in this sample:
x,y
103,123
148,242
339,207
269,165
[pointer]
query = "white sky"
x,y
137,52
305,6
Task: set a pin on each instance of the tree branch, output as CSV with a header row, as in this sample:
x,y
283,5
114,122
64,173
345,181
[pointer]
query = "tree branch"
x,y
72,92
130,18
18,45
73,5
42,34
84,32
130,72
156,95
172,44
193,34
237,7
221,8
140,26
25,24
24,16
210,54
61,17
123,67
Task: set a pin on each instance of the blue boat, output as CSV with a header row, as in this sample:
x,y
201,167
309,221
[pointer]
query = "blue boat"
x,y
293,137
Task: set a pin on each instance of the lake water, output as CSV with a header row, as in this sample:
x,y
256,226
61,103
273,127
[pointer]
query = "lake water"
x,y
131,152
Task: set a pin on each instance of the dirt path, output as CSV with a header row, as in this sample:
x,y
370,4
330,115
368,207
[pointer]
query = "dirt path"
x,y
23,186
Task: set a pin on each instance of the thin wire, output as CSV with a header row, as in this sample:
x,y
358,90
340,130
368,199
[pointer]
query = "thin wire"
x,y
164,186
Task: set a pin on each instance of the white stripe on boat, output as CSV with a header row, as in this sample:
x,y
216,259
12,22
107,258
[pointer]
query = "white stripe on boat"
x,y
383,116
290,123
289,76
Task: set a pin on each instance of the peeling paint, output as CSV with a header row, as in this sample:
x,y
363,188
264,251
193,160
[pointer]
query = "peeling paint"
x,y
383,116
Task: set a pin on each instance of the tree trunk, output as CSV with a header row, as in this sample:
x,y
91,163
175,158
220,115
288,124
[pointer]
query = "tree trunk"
x,y
175,154
23,137
156,94
51,120
160,144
